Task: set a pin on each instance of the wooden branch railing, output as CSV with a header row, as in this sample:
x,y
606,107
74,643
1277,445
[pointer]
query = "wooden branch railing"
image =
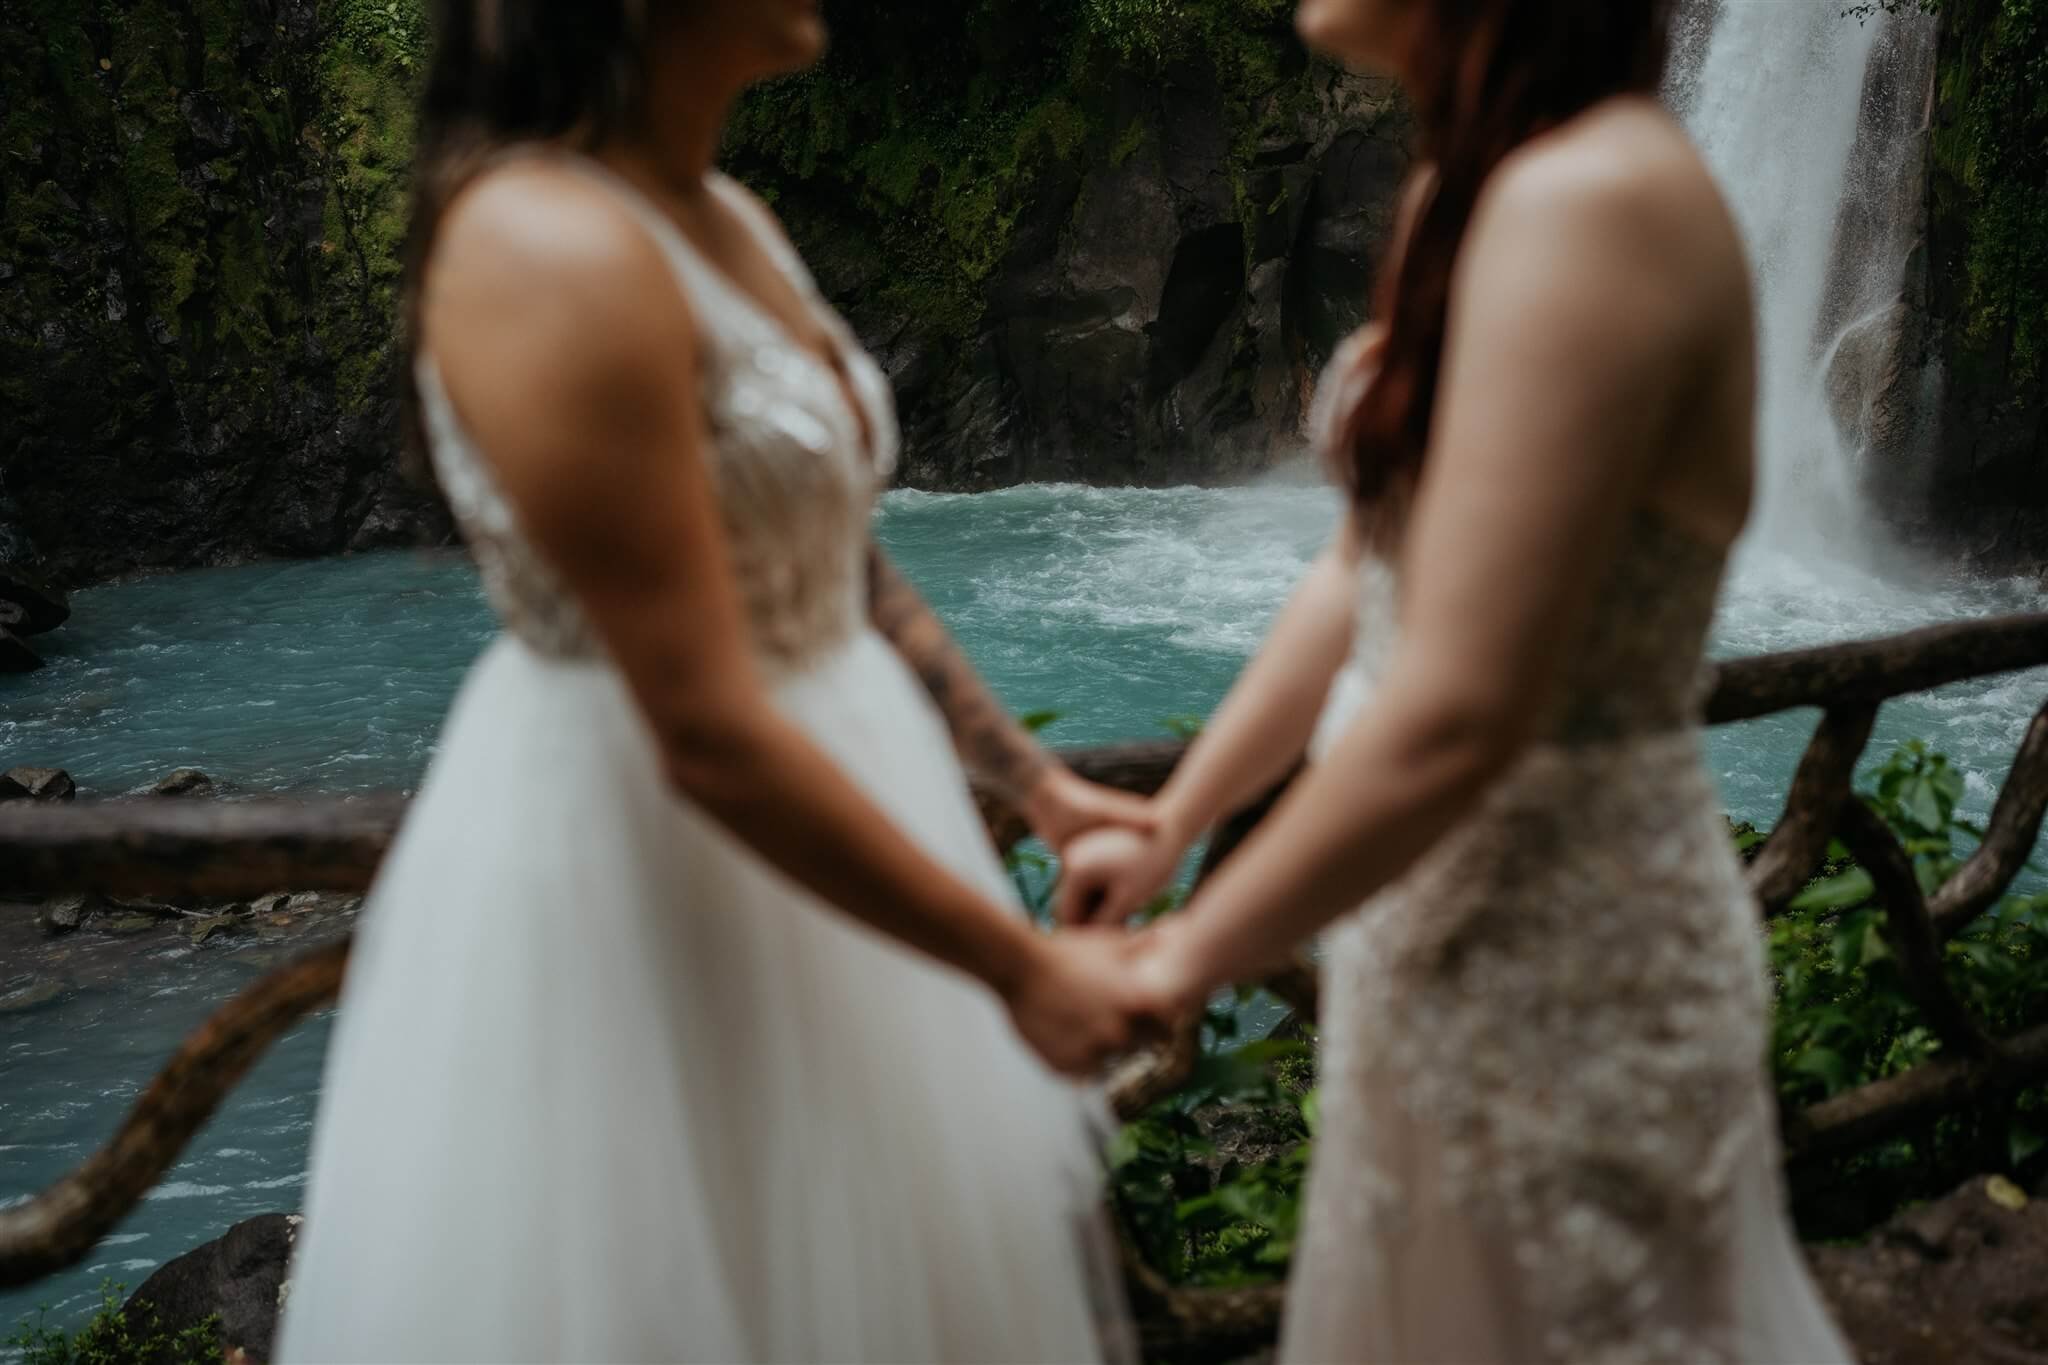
x,y
232,850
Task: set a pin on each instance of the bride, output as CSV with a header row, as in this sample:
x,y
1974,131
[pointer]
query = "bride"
x,y
1546,1134
681,1021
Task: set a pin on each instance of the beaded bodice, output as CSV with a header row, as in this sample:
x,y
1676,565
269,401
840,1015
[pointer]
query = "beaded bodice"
x,y
1637,671
1541,1044
797,468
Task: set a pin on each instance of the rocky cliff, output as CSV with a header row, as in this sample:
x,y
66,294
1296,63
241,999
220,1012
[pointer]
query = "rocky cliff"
x,y
1118,266
200,213
1181,229
1101,240
1944,386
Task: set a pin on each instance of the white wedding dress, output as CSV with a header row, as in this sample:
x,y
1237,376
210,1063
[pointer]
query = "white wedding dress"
x,y
1547,1135
604,1086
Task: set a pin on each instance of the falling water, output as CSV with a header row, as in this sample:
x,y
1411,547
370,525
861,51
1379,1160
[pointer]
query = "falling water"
x,y
1776,92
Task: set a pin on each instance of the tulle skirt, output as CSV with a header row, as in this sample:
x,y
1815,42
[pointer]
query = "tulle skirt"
x,y
605,1087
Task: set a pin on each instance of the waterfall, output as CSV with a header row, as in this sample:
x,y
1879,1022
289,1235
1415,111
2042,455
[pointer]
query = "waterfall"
x,y
1809,119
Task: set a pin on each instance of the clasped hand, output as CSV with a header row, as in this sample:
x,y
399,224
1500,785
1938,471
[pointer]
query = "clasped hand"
x,y
1094,990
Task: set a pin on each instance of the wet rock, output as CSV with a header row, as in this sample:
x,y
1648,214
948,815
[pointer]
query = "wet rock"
x,y
1158,313
66,914
16,657
1961,1279
131,924
41,608
184,782
225,923
37,784
35,995
240,1277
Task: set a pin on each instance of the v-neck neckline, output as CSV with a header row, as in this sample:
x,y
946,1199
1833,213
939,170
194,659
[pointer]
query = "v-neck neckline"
x,y
840,376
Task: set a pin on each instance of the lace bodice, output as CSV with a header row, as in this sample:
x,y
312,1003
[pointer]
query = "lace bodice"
x,y
1637,672
797,469
1541,1072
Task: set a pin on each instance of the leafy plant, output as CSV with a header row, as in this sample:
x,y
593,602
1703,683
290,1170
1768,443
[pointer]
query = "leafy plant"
x,y
385,30
1202,1215
1844,1018
115,1337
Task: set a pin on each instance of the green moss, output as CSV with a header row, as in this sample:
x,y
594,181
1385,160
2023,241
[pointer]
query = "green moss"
x,y
1990,151
939,125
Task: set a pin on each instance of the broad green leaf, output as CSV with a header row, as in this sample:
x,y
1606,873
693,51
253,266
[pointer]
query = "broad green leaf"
x,y
1836,893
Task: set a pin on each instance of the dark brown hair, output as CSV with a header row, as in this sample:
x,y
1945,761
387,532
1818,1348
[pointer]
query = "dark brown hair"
x,y
1485,76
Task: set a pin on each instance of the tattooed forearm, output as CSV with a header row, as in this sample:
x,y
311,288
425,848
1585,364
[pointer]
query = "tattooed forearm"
x,y
993,746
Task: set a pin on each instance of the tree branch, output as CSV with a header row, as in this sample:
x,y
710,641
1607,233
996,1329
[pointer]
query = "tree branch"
x,y
61,1225
2008,839
1800,841
1909,929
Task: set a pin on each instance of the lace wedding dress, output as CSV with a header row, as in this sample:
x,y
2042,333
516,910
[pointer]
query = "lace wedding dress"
x,y
1546,1133
603,1086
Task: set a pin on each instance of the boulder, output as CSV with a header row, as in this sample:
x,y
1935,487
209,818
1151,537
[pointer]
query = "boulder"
x,y
65,914
184,782
16,657
37,784
34,996
240,1276
40,608
1961,1279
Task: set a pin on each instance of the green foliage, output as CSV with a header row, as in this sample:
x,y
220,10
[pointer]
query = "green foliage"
x,y
113,1337
392,32
1991,157
931,128
1844,1017
1992,148
1153,33
1199,1216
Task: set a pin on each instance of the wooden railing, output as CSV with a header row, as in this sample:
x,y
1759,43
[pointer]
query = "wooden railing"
x,y
231,850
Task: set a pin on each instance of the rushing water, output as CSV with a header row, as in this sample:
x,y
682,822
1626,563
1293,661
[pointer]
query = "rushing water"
x,y
1116,608
1778,96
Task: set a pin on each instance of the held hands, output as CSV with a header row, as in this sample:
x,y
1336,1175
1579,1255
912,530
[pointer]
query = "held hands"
x,y
1063,805
1091,991
1082,1001
1109,874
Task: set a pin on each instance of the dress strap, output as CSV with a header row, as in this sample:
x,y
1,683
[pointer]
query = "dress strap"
x,y
694,275
766,231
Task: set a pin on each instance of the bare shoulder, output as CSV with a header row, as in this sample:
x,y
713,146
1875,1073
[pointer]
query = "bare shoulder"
x,y
1610,228
556,325
533,250
1622,185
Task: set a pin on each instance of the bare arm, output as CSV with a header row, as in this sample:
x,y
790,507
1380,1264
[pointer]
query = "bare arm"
x,y
994,748
1263,727
1258,734
1570,334
565,344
